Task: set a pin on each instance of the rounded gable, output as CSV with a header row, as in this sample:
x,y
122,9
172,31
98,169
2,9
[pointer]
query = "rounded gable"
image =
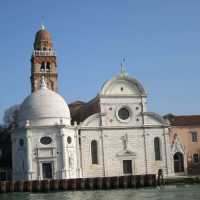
x,y
122,85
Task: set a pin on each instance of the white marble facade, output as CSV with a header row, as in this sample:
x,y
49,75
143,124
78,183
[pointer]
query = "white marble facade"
x,y
118,140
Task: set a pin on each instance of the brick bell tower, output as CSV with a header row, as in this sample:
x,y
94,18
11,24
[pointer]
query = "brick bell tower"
x,y
43,61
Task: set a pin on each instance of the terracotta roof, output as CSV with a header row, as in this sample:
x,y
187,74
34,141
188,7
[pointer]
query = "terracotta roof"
x,y
80,110
42,37
183,120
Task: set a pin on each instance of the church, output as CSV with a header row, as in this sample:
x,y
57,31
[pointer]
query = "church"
x,y
111,135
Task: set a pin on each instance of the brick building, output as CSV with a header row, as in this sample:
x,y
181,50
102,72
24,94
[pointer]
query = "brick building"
x,y
185,138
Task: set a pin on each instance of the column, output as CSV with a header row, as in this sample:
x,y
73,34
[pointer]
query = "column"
x,y
64,154
29,155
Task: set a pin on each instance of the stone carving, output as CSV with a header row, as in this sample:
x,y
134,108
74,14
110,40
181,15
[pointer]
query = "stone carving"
x,y
125,141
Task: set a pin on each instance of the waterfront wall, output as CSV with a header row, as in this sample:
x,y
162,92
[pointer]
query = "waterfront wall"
x,y
79,184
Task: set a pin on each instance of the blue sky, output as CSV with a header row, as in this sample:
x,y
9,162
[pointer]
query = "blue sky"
x,y
159,39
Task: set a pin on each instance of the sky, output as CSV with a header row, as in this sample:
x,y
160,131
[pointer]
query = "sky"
x,y
160,41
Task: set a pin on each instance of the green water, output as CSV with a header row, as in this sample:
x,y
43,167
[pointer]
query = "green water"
x,y
183,192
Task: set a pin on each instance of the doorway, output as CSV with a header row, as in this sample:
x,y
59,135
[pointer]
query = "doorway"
x,y
127,167
47,170
178,162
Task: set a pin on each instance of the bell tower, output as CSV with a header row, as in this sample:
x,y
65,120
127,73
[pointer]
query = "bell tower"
x,y
43,61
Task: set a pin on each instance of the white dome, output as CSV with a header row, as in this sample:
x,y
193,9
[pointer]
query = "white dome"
x,y
44,104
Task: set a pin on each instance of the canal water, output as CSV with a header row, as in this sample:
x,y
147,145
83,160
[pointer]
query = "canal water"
x,y
181,192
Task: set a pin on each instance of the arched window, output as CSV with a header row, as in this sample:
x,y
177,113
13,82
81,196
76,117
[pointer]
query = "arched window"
x,y
42,68
94,152
157,147
48,66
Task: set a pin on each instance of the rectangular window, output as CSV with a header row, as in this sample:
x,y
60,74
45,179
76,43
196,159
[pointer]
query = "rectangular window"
x,y
127,166
195,158
194,136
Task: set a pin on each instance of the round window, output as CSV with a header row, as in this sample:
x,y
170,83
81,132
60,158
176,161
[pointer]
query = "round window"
x,y
46,140
123,113
69,140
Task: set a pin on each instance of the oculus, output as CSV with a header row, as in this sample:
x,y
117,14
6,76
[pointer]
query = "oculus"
x,y
69,140
123,113
45,140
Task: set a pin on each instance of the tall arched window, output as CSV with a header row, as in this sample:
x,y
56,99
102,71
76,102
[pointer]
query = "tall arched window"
x,y
42,68
94,152
157,147
48,66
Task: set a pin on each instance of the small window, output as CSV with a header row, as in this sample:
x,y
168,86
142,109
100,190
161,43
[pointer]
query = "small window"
x,y
127,166
195,158
94,152
194,136
157,148
123,113
69,140
46,140
79,140
21,142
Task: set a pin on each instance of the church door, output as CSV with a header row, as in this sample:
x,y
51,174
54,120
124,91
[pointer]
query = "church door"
x,y
127,167
47,170
178,162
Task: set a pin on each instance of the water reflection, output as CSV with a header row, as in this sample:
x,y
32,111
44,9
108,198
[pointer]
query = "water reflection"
x,y
183,192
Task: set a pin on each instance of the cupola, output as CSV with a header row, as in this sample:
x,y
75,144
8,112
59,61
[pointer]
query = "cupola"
x,y
43,40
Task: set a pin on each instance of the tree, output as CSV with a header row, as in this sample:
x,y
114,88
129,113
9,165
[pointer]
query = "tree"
x,y
10,115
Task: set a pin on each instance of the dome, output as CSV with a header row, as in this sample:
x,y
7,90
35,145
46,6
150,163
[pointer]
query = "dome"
x,y
42,39
44,104
42,35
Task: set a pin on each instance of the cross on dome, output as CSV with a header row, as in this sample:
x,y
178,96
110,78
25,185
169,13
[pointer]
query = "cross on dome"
x,y
42,27
122,67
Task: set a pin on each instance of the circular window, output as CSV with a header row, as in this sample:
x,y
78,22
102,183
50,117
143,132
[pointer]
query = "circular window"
x,y
21,142
123,113
45,140
69,140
